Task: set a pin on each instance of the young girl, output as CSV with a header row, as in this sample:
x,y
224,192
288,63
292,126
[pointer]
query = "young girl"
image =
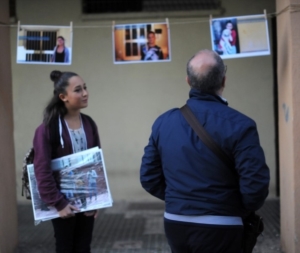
x,y
61,52
65,131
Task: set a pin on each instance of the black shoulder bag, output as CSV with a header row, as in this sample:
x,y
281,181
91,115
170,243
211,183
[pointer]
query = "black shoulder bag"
x,y
253,224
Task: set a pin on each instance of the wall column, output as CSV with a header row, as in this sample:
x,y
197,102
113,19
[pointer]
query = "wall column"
x,y
288,37
8,206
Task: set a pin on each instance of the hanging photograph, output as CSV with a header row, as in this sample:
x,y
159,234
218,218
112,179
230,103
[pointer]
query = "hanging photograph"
x,y
242,36
44,45
138,43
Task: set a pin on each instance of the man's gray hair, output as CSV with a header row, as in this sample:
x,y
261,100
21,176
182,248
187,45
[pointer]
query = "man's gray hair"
x,y
211,81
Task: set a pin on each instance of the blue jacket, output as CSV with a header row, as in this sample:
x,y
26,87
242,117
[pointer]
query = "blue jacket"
x,y
178,168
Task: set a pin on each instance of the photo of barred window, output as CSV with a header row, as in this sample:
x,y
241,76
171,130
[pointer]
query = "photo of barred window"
x,y
44,45
141,43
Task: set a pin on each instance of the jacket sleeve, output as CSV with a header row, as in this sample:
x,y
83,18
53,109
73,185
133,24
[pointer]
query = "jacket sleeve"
x,y
53,55
161,56
67,55
142,54
151,172
96,135
91,129
46,183
97,138
254,175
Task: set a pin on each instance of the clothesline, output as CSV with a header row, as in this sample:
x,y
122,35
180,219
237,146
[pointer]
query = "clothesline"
x,y
293,8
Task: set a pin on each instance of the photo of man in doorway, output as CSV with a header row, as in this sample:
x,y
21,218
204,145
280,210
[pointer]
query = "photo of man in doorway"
x,y
151,51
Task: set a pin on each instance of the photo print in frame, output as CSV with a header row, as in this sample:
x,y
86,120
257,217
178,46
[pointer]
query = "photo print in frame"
x,y
141,43
243,36
38,44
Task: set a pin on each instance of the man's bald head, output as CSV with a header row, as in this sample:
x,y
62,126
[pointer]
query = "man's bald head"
x,y
206,71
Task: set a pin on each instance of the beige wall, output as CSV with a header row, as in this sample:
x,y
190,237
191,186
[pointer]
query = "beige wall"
x,y
126,99
8,210
289,122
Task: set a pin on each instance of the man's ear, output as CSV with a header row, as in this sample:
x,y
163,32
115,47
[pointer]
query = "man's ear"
x,y
187,80
63,97
223,82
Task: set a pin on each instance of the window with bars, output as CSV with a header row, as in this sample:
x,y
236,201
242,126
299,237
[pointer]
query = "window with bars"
x,y
133,34
12,8
123,6
111,6
39,41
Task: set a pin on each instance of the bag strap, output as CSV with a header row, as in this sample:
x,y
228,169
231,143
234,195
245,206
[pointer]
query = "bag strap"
x,y
205,137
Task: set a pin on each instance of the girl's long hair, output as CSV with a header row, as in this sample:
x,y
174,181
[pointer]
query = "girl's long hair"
x,y
56,107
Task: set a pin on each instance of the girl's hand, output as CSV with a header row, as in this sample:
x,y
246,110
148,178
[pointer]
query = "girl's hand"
x,y
68,211
92,213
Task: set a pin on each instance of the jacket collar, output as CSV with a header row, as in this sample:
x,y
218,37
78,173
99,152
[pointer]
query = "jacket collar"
x,y
198,95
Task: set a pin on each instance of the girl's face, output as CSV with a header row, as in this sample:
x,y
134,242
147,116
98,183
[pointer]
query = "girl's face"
x,y
60,42
229,26
76,96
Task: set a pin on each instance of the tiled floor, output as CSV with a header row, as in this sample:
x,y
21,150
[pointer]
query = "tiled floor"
x,y
133,227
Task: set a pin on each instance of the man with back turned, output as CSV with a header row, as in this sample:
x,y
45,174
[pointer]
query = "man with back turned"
x,y
205,200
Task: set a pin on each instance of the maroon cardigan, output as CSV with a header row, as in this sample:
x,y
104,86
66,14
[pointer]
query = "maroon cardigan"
x,y
47,185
